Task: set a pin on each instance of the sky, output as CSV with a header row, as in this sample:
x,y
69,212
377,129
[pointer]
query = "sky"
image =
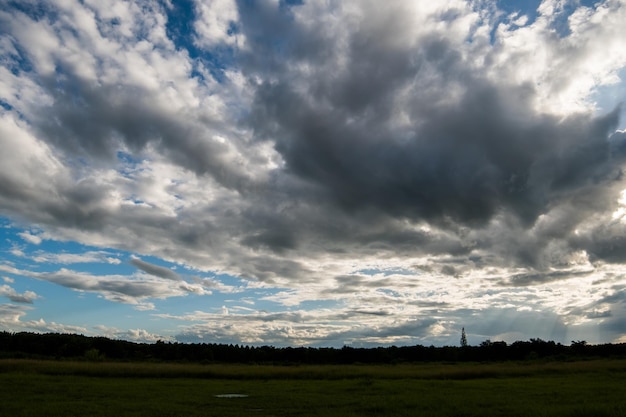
x,y
315,172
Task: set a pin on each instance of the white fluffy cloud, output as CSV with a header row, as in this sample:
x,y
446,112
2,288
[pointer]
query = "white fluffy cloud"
x,y
216,23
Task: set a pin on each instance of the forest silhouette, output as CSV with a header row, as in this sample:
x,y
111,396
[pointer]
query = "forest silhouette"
x,y
74,346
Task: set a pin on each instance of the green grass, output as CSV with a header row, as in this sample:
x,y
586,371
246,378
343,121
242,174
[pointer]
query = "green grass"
x,y
576,389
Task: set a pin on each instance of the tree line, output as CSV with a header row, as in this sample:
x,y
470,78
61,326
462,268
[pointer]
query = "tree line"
x,y
73,346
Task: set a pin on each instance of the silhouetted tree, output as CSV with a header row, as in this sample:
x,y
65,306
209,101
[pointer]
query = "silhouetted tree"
x,y
72,346
463,338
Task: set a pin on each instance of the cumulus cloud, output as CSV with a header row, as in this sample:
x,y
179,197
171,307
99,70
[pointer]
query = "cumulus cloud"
x,y
447,140
31,238
423,136
11,316
300,328
453,143
216,23
26,297
134,335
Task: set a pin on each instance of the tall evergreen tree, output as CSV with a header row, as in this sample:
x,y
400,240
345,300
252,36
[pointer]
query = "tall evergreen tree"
x,y
463,338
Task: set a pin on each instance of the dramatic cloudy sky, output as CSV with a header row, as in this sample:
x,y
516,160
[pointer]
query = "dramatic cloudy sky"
x,y
316,172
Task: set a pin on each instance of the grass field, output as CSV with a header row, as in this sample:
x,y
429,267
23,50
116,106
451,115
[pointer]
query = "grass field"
x,y
570,389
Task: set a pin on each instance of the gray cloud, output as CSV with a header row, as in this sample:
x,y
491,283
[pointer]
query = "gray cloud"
x,y
486,155
540,278
12,313
465,160
407,131
278,329
432,140
116,288
135,335
156,270
26,298
604,242
92,110
86,282
11,318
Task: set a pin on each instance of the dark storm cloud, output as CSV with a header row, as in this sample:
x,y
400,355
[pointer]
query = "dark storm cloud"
x,y
469,149
467,161
271,269
390,141
288,222
275,37
605,242
270,227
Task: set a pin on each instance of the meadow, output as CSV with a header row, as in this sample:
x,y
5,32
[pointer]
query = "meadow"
x,y
63,388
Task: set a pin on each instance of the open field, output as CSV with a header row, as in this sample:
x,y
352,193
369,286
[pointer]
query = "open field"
x,y
570,389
